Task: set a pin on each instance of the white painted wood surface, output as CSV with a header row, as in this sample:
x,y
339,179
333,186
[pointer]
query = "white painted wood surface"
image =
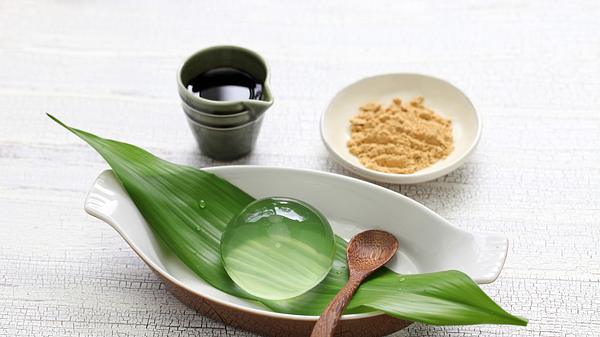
x,y
532,68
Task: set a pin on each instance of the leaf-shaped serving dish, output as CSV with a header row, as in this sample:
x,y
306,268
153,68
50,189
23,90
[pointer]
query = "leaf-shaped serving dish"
x,y
428,242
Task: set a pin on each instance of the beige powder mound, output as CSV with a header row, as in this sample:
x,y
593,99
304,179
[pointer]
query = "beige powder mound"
x,y
402,138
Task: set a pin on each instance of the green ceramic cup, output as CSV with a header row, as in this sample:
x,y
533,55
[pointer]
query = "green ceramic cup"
x,y
224,130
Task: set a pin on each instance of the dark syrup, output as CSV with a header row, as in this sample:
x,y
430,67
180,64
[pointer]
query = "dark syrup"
x,y
226,84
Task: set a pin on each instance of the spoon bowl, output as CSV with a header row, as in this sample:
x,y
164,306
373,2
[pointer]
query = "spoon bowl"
x,y
370,250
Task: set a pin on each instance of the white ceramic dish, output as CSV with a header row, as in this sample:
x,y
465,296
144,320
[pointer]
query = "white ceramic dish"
x,y
441,96
427,241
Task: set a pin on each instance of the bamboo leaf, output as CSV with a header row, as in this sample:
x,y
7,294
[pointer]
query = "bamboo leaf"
x,y
168,194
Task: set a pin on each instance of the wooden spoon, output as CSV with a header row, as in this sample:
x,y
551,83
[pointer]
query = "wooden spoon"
x,y
366,252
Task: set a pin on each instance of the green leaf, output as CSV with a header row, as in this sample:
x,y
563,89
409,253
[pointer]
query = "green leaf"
x,y
168,196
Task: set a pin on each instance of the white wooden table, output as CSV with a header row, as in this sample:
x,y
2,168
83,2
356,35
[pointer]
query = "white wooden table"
x,y
532,68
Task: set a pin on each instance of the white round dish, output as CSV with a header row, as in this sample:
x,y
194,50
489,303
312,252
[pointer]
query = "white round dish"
x,y
441,96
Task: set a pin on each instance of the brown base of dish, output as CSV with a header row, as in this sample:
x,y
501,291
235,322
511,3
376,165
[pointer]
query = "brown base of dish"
x,y
375,326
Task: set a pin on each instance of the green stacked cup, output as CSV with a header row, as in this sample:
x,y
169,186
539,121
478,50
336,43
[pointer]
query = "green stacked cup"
x,y
224,92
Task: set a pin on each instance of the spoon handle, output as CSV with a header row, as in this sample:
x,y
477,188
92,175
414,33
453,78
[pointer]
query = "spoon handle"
x,y
330,317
